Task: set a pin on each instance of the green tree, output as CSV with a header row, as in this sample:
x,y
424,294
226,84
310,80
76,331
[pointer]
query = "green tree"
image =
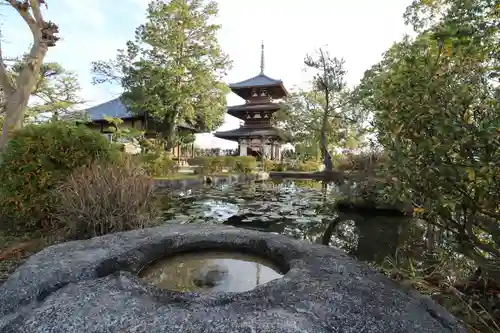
x,y
56,90
300,118
338,117
173,69
435,100
17,91
322,118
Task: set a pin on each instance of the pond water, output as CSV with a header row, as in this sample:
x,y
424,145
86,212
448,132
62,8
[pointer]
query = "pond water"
x,y
299,209
211,272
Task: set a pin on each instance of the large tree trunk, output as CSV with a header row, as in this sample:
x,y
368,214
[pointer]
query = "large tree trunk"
x,y
168,128
17,101
17,93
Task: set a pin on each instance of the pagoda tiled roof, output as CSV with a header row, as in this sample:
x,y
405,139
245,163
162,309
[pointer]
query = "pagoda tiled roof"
x,y
260,80
246,131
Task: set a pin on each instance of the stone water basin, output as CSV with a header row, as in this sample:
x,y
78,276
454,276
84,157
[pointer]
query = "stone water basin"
x,y
98,285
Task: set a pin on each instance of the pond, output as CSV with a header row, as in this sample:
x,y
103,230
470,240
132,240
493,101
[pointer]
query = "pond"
x,y
300,209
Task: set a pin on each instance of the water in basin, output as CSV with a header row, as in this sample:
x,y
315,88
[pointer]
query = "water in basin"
x,y
211,272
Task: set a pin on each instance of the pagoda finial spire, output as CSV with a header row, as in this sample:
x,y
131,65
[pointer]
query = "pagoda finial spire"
x,y
262,58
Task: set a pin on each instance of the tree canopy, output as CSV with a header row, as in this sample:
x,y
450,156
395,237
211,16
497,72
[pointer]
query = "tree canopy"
x,y
173,69
56,90
435,101
322,117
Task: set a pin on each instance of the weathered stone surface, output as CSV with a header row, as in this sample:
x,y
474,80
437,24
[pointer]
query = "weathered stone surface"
x,y
92,286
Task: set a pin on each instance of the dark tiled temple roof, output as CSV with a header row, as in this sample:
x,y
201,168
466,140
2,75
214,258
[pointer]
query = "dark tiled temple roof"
x,y
260,80
239,111
255,107
246,131
113,108
116,109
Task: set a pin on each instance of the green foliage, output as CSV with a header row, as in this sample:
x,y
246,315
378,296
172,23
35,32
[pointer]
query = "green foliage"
x,y
435,100
37,159
174,68
216,164
271,165
56,89
330,86
212,164
206,164
121,133
245,164
302,118
105,198
367,163
159,164
309,166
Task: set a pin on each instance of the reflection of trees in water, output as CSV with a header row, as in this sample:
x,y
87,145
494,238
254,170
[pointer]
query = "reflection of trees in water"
x,y
281,207
373,238
195,271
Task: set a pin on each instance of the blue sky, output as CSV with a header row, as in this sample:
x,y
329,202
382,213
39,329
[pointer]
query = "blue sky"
x,y
358,30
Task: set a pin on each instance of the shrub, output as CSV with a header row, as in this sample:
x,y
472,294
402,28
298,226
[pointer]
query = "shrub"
x,y
245,164
212,164
271,165
364,162
205,164
105,198
217,164
37,159
230,162
159,164
309,166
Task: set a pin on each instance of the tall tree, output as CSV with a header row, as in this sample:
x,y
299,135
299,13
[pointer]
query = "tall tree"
x,y
302,118
329,82
173,69
18,90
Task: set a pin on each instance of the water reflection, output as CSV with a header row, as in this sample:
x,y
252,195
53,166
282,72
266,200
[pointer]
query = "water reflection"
x,y
296,208
211,272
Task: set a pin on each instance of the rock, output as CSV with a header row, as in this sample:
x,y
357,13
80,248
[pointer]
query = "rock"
x,y
92,286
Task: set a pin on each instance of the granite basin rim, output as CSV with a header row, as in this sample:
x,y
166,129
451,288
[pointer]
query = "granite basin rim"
x,y
324,290
275,259
130,252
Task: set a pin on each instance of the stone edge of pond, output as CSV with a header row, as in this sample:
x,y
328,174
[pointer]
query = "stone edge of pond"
x,y
320,282
180,184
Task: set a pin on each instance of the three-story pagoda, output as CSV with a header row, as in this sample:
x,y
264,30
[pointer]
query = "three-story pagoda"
x,y
257,137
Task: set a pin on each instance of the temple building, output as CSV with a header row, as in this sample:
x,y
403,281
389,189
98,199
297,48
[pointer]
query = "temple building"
x,y
116,109
257,137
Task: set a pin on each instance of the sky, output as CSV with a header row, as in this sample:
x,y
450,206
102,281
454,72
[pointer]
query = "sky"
x,y
357,30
